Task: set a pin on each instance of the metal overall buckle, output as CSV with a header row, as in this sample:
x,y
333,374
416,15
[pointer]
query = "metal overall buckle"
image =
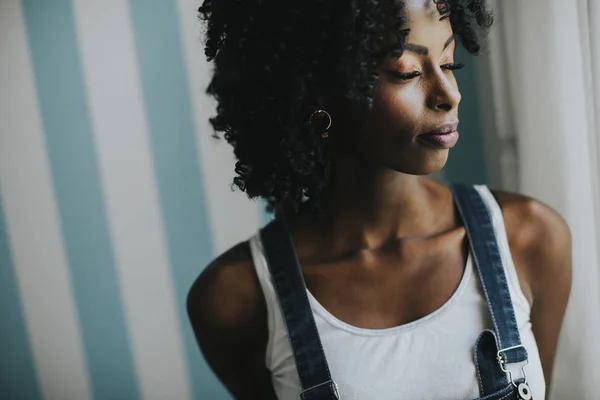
x,y
523,388
336,390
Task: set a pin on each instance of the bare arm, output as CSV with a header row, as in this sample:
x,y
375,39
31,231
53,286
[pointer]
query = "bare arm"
x,y
228,314
540,241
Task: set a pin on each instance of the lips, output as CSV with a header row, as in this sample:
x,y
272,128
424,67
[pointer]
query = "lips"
x,y
442,130
442,137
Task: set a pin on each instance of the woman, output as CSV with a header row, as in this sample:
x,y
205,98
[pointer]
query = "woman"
x,y
337,112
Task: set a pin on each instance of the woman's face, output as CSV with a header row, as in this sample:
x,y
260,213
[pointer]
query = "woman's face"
x,y
415,95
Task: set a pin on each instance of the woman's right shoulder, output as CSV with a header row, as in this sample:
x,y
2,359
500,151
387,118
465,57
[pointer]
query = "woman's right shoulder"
x,y
228,313
227,294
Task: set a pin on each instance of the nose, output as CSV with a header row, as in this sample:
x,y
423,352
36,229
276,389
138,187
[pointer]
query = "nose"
x,y
444,94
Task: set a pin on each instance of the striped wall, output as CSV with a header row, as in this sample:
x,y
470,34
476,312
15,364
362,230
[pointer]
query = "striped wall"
x,y
113,197
107,213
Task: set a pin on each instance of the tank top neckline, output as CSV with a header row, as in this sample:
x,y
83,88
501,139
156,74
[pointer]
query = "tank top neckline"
x,y
322,312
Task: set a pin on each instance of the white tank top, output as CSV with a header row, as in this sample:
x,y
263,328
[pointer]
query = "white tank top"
x,y
430,358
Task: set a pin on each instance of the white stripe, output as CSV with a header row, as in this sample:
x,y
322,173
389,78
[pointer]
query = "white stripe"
x,y
127,175
33,223
233,217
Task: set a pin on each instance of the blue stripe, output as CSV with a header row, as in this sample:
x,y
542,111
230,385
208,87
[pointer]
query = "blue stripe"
x,y
265,217
61,94
18,379
167,101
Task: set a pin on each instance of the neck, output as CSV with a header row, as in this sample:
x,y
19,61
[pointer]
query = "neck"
x,y
368,206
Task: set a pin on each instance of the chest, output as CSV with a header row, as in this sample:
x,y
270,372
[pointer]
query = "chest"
x,y
378,290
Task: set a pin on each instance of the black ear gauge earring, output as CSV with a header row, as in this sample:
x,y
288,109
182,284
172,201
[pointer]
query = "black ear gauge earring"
x,y
322,117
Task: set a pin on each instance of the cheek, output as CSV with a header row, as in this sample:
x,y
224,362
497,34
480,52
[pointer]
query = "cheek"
x,y
398,108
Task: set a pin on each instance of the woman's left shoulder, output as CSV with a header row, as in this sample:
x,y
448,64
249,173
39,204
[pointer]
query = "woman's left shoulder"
x,y
533,225
539,239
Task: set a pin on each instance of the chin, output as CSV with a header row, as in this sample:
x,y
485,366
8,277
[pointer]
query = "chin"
x,y
425,165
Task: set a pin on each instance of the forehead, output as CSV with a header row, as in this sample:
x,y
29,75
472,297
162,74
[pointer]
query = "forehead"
x,y
423,20
426,5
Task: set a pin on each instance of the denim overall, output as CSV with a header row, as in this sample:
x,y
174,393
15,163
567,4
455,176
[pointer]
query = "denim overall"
x,y
494,350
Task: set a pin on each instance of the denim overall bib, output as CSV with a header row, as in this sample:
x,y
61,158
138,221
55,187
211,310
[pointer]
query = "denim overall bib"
x,y
494,350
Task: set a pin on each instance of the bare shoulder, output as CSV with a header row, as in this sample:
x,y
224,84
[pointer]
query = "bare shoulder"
x,y
531,220
539,237
227,293
540,244
227,311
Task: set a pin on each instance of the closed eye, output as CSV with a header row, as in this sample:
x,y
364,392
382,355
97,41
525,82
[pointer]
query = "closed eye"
x,y
405,76
453,66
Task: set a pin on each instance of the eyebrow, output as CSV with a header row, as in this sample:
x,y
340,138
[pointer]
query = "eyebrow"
x,y
422,50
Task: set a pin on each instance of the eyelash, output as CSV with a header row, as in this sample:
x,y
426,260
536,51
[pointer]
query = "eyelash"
x,y
405,76
453,66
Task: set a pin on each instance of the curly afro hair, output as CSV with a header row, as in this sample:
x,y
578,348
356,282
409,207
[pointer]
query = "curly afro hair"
x,y
275,62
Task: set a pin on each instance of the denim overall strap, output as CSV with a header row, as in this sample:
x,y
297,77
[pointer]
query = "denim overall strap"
x,y
286,274
494,349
